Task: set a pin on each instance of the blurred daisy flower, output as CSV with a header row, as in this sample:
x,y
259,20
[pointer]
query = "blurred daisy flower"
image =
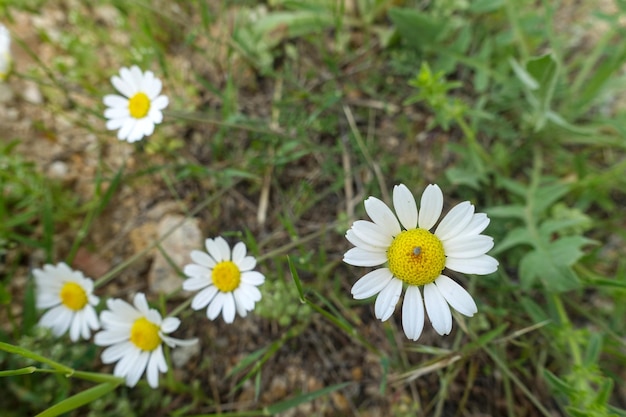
x,y
69,296
415,256
139,107
135,335
5,52
226,278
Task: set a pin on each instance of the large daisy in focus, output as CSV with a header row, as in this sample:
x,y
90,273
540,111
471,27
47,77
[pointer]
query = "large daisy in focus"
x,y
415,256
226,278
139,107
68,295
135,335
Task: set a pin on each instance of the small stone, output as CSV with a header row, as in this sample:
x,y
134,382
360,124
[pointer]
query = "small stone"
x,y
31,93
177,245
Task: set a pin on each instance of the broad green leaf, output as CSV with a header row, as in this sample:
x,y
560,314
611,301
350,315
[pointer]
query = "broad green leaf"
x,y
551,226
529,269
78,400
485,6
594,347
523,75
534,310
548,194
419,30
566,250
544,69
517,236
512,211
558,384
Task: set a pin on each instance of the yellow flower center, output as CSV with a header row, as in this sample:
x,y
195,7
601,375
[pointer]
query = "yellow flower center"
x,y
139,105
416,257
145,335
73,296
226,276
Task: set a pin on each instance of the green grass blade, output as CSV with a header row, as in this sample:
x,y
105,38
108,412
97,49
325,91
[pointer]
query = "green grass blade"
x,y
78,400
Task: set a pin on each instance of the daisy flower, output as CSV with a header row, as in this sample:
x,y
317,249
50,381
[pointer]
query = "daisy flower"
x,y
139,108
227,280
135,335
415,256
5,52
69,296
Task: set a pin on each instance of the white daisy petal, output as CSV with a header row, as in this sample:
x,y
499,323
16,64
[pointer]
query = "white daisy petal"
x,y
252,277
204,297
115,352
228,308
371,283
247,264
479,223
202,259
480,265
136,368
360,243
152,369
170,324
239,252
437,309
197,271
214,250
387,299
361,257
413,313
223,248
431,205
196,283
371,232
404,204
382,215
456,296
468,246
216,305
455,221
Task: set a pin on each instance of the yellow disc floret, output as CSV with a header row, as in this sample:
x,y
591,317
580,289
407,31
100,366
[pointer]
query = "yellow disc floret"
x,y
139,105
416,257
145,335
73,296
226,276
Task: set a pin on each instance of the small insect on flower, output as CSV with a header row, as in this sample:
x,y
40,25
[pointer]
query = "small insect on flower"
x,y
416,257
69,296
226,278
135,335
139,107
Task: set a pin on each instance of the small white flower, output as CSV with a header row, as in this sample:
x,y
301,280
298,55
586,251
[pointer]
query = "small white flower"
x,y
135,335
228,284
69,296
417,257
136,113
5,52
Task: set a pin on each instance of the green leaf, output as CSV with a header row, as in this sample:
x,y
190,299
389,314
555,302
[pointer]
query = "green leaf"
x,y
545,70
558,384
551,263
296,279
512,211
304,398
21,371
485,6
524,76
529,269
566,250
36,357
78,400
548,194
594,347
516,237
419,30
